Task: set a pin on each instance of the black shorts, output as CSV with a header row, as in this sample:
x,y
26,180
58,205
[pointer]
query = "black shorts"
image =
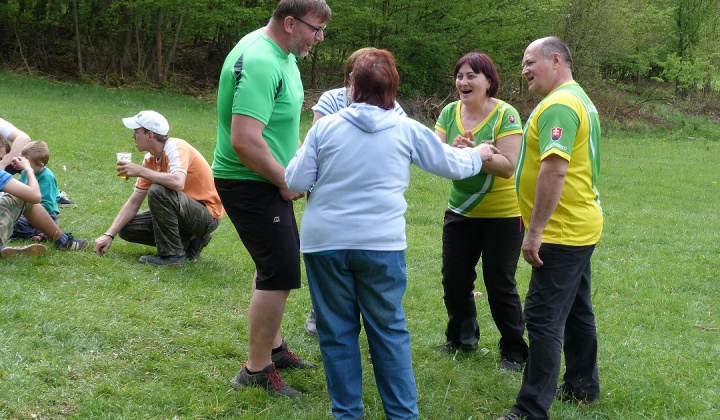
x,y
267,227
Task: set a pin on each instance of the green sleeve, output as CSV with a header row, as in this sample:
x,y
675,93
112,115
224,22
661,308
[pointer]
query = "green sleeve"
x,y
442,122
256,90
446,121
557,128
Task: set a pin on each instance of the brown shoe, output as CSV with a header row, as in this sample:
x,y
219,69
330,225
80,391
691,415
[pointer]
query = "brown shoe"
x,y
28,250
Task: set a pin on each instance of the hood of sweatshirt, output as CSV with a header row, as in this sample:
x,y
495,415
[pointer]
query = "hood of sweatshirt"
x,y
370,118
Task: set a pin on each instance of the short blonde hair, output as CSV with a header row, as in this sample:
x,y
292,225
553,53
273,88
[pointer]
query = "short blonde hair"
x,y
36,152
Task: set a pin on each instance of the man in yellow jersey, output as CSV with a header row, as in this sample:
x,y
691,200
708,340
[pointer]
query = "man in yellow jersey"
x,y
557,169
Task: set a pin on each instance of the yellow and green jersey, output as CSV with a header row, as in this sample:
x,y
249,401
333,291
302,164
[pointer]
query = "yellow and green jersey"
x,y
567,124
482,195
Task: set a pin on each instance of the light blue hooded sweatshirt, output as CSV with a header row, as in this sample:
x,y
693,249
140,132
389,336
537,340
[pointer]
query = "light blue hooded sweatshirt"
x,y
357,163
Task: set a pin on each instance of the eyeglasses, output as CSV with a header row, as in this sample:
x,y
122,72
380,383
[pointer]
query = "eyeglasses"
x,y
313,27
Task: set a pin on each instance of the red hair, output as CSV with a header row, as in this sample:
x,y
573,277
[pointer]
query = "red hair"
x,y
375,79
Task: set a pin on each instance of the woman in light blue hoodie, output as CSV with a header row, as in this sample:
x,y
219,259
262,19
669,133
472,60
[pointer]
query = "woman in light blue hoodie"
x,y
353,232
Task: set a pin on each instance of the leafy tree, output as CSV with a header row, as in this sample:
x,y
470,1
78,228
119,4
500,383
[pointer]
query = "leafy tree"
x,y
156,41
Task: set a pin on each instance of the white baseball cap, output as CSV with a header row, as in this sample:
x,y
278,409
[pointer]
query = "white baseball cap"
x,y
149,120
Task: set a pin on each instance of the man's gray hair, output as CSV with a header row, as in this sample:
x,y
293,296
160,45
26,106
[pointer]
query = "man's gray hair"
x,y
300,8
552,45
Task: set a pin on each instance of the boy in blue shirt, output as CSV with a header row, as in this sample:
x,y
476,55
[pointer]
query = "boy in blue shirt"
x,y
18,199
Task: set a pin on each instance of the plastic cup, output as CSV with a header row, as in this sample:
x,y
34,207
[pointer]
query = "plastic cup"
x,y
126,157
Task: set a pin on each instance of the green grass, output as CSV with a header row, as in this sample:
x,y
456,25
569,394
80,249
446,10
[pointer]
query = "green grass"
x,y
84,336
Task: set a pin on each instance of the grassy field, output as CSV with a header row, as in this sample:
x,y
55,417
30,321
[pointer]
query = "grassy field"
x,y
84,336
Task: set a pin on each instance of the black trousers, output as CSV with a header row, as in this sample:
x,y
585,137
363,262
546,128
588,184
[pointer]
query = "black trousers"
x,y
558,310
497,241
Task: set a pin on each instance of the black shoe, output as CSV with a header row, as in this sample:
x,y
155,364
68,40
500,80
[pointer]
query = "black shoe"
x,y
451,348
566,393
510,366
163,259
286,359
268,379
72,244
64,201
196,246
467,348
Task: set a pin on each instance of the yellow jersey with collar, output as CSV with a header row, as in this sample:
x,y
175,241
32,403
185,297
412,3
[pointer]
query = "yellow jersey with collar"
x,y
483,195
565,123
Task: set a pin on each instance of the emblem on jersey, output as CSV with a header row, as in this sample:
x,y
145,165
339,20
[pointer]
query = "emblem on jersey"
x,y
511,118
556,133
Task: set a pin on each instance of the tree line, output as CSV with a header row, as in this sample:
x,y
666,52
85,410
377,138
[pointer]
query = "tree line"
x,y
636,44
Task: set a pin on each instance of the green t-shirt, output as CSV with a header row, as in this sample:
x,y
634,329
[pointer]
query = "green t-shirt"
x,y
567,124
260,80
48,189
482,195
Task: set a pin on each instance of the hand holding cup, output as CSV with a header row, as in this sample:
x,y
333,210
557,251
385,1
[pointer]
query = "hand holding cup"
x,y
121,158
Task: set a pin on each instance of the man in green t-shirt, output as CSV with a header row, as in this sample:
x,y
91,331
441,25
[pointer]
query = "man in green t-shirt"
x,y
556,174
260,95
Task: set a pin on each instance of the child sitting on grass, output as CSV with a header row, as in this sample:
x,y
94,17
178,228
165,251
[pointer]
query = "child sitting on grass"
x,y
38,154
18,199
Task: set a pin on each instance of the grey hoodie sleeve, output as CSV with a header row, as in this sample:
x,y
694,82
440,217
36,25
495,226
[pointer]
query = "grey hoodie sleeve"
x,y
301,173
434,156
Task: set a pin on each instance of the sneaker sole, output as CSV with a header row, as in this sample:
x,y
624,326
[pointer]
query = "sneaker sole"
x,y
27,250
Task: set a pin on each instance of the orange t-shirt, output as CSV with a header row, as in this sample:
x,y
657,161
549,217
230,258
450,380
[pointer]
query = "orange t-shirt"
x,y
179,155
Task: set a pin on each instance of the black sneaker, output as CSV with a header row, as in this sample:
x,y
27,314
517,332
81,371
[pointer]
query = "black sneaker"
x,y
268,379
27,250
285,359
510,366
72,244
65,201
310,326
196,246
163,259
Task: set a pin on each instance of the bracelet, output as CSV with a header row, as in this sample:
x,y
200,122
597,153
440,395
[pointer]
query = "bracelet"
x,y
28,169
110,235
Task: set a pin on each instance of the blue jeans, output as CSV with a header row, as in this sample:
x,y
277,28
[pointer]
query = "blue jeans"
x,y
344,285
24,230
560,319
